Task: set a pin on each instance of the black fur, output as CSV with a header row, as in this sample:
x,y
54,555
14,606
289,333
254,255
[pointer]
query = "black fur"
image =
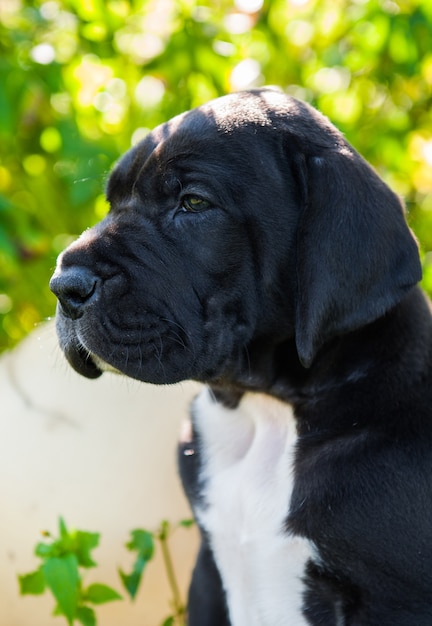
x,y
296,278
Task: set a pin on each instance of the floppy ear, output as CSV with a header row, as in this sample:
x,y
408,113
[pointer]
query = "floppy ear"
x,y
356,257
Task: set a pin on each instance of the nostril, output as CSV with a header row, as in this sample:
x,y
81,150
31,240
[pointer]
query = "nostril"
x,y
73,286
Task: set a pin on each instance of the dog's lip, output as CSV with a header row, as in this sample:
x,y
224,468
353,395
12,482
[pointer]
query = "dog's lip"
x,y
82,360
87,363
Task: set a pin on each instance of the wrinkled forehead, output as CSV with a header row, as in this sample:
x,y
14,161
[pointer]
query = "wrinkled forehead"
x,y
225,115
217,126
253,108
204,123
207,131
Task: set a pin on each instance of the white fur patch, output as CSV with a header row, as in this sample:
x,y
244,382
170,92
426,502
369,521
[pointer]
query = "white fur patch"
x,y
248,456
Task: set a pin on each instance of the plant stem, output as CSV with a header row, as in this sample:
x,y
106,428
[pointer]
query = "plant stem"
x,y
177,601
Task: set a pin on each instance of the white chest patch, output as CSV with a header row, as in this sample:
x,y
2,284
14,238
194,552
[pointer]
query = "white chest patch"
x,y
248,457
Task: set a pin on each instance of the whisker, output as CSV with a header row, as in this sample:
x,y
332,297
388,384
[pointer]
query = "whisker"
x,y
159,353
249,368
187,346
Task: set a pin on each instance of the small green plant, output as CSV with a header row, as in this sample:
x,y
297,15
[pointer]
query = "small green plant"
x,y
143,542
59,572
63,558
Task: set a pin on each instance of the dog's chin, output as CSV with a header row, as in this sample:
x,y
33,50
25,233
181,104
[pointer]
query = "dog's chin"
x,y
90,365
91,360
103,366
158,361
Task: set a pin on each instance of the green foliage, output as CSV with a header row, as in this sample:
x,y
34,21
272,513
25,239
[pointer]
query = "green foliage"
x,y
178,618
62,559
59,572
33,583
143,543
80,81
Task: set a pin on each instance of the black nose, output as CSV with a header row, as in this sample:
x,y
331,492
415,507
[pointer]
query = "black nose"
x,y
74,286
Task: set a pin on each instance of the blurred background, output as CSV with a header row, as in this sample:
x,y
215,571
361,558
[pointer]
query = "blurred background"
x,y
82,80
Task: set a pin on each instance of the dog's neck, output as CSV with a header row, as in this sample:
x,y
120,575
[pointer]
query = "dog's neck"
x,y
342,368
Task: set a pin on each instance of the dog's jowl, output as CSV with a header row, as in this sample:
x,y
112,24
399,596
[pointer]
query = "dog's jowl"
x,y
249,247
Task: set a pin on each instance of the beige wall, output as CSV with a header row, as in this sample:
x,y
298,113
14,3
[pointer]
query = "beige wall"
x,y
100,453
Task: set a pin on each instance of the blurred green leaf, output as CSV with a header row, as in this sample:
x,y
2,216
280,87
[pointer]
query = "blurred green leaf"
x,y
86,616
85,542
131,582
187,523
33,583
142,542
45,550
63,531
62,577
100,594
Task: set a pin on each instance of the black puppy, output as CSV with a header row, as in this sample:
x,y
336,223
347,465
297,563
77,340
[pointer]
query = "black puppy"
x,y
250,247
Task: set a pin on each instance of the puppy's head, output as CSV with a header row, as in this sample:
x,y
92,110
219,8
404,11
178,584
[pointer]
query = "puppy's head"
x,y
248,220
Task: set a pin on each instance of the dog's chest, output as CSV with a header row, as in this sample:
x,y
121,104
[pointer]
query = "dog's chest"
x,y
247,476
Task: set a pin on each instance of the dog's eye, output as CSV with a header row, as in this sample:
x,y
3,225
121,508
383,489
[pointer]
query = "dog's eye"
x,y
194,204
